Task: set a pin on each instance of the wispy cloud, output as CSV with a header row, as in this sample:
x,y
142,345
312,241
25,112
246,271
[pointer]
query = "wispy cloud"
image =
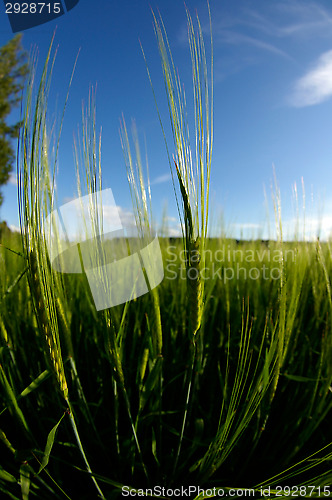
x,y
161,179
316,85
272,29
290,19
235,38
310,19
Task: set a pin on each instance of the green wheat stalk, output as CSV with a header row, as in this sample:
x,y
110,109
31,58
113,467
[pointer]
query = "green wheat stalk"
x,y
36,195
141,198
192,171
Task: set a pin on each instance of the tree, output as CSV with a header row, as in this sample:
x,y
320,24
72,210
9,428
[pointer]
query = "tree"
x,y
13,69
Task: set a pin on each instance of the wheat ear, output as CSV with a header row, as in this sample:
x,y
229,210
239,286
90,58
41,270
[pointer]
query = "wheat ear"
x,y
195,288
193,261
43,319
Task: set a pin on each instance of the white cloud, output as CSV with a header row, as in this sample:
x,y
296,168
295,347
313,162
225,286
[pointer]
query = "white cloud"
x,y
75,219
14,228
68,199
246,225
168,218
170,227
173,232
308,228
126,216
13,179
316,85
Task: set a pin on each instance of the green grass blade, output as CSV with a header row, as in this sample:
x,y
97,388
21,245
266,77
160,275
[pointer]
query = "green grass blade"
x,y
49,445
6,476
12,400
25,481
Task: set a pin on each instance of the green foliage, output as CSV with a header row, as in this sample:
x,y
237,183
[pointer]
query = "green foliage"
x,y
260,405
134,395
13,70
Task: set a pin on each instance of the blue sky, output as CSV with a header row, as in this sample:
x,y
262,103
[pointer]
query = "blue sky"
x,y
272,103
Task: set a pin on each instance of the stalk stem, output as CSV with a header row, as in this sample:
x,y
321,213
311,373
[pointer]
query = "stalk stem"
x,y
184,420
78,440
